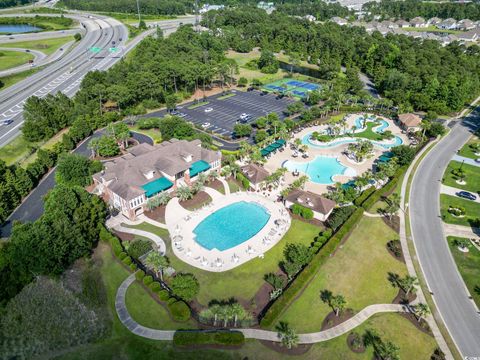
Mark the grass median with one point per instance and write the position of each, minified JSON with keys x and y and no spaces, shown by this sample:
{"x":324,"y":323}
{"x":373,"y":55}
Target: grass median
{"x":472,"y":210}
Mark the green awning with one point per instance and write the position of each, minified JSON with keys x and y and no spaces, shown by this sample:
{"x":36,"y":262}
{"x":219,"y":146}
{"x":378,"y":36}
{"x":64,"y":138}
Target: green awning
{"x":270,"y":148}
{"x":276,"y":145}
{"x":156,"y":186}
{"x":264,"y":152}
{"x":281,"y":141}
{"x":198,"y":167}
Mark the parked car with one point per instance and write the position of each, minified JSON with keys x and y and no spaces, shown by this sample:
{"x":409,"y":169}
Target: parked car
{"x":181,"y":114}
{"x":6,"y":122}
{"x":27,"y":50}
{"x":205,"y":125}
{"x":243,"y":116}
{"x":466,"y":195}
{"x":209,"y":109}
{"x":477,"y":160}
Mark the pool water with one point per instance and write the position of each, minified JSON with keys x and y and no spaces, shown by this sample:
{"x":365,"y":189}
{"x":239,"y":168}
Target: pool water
{"x":321,"y":170}
{"x":231,"y":225}
{"x":18,"y":28}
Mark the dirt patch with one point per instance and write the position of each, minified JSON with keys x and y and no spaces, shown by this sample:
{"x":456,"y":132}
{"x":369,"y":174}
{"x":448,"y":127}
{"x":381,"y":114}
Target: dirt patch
{"x":276,"y":346}
{"x":397,"y":253}
{"x":217,"y":185}
{"x":402,"y":298}
{"x":393,"y":223}
{"x":157,"y":214}
{"x":124,"y":236}
{"x":332,"y":320}
{"x":199,"y":200}
{"x":421,"y":325}
{"x":355,"y":343}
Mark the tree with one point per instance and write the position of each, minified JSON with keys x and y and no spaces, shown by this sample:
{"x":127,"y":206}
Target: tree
{"x":185,"y":286}
{"x":267,"y":63}
{"x":242,"y":81}
{"x":120,"y":132}
{"x":157,"y":262}
{"x":338,"y":304}
{"x":421,"y":310}
{"x":296,"y":256}
{"x":260,"y":136}
{"x":242,"y":130}
{"x":77,"y":37}
{"x":287,"y":335}
{"x":393,"y":204}
{"x":387,"y":351}
{"x":76,"y":170}
{"x":408,"y":284}
{"x":404,"y":154}
{"x":184,"y":193}
{"x":106,"y":146}
{"x":275,"y":280}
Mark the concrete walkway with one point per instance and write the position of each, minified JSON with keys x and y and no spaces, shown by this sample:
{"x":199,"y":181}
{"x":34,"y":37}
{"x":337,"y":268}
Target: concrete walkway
{"x":225,"y":185}
{"x":310,"y":338}
{"x":466,"y":160}
{"x":462,"y":231}
{"x":444,"y":189}
{"x":408,"y":258}
{"x":366,"y":213}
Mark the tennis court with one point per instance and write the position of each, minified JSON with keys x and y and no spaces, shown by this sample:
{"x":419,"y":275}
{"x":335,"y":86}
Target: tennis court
{"x":296,"y":88}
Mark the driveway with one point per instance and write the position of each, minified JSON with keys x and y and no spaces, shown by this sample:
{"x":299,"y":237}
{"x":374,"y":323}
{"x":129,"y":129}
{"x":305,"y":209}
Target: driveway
{"x":440,"y":271}
{"x":444,"y":189}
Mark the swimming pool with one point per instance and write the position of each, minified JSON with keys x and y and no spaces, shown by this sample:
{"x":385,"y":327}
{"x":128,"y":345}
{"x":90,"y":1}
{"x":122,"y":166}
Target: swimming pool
{"x":231,"y":225}
{"x":347,"y":140}
{"x":320,"y":170}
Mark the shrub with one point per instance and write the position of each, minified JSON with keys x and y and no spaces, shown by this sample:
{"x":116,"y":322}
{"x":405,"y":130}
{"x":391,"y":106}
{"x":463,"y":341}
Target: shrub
{"x":139,"y":247}
{"x":179,"y":310}
{"x":171,"y":300}
{"x":193,"y":338}
{"x":147,"y":280}
{"x":155,"y":286}
{"x":320,"y":240}
{"x":310,"y":270}
{"x":139,"y":275}
{"x":122,"y":255}
{"x":133,"y":266}
{"x":302,"y":211}
{"x":127,"y":260}
{"x":364,"y":196}
{"x":457,"y":210}
{"x":339,"y":216}
{"x":163,"y":295}
{"x":185,"y":286}
{"x":244,"y":181}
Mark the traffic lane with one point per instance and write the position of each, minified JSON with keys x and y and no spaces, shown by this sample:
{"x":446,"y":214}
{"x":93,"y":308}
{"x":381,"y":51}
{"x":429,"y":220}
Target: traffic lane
{"x":437,"y":263}
{"x":32,"y":207}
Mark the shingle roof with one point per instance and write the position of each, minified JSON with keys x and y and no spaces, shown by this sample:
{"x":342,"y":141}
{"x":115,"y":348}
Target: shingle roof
{"x":312,"y":201}
{"x":254,"y":173}
{"x":410,"y":120}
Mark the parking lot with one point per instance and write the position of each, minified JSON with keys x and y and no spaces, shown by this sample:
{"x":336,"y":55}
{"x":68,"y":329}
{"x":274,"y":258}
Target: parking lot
{"x":226,"y":112}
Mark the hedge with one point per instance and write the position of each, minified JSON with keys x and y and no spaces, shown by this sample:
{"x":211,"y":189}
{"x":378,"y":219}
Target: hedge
{"x":310,"y":270}
{"x":245,"y":182}
{"x":304,"y":212}
{"x":179,"y":310}
{"x":385,"y":190}
{"x":155,"y":286}
{"x":147,"y":280}
{"x":364,"y":196}
{"x":127,"y":261}
{"x":192,"y":338}
{"x":163,"y":295}
{"x":139,"y":275}
{"x":122,"y":255}
{"x":133,"y":266}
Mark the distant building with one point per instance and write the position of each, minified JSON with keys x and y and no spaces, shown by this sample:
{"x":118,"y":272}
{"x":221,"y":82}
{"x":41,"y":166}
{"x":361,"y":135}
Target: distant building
{"x":409,"y":122}
{"x":256,"y":175}
{"x":466,"y":24}
{"x":321,"y":207}
{"x":469,"y":36}
{"x":267,"y":6}
{"x":310,"y":18}
{"x":402,"y":23}
{"x":448,"y":24}
{"x":418,"y":22}
{"x":129,"y":181}
{"x":340,"y":21}
{"x":207,"y":7}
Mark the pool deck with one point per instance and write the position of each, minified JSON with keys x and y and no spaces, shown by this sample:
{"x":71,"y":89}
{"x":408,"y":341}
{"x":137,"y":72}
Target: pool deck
{"x":181,"y":223}
{"x":276,"y":160}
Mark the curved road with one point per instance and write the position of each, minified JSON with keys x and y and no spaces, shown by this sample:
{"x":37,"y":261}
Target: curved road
{"x":443,"y":279}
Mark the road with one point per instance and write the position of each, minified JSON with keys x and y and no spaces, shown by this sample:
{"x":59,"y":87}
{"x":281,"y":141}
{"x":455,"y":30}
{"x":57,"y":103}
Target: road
{"x":443,"y":279}
{"x":66,"y":74}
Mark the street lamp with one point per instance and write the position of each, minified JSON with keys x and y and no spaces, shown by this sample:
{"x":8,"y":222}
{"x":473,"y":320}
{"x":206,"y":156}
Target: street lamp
{"x":138,"y":10}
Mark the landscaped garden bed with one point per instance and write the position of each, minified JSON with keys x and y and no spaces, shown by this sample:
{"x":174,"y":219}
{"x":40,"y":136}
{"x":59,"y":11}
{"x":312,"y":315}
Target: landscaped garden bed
{"x":472,"y":210}
{"x":471,"y":176}
{"x":197,"y":201}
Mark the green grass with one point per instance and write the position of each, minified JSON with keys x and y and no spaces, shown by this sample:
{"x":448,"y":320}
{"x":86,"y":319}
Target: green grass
{"x":201,"y":103}
{"x":358,"y":271}
{"x":10,"y":59}
{"x":472,"y":209}
{"x":13,"y":79}
{"x":466,"y":150}
{"x":432,"y":29}
{"x":47,"y":46}
{"x":152,"y":133}
{"x":233,"y":186}
{"x":132,"y":19}
{"x":226,"y":96}
{"x":468,"y":265}
{"x":245,"y":280}
{"x":368,"y":133}
{"x":472,"y":176}
{"x":17,"y":150}
{"x":147,"y":312}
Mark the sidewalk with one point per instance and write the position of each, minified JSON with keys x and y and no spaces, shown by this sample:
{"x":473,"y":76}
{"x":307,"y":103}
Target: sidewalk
{"x":461,"y":231}
{"x":467,"y":161}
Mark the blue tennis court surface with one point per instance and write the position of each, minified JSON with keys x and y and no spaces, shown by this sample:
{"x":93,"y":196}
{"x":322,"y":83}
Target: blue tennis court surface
{"x":296,"y":88}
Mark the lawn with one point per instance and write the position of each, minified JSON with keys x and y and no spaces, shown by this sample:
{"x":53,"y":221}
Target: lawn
{"x":472,"y":209}
{"x":233,"y":186}
{"x":432,"y":29}
{"x":16,"y":150}
{"x":226,"y":96}
{"x":13,"y":79}
{"x":250,"y":74}
{"x":152,"y":133}
{"x":132,"y":19}
{"x":368,"y":133}
{"x":468,"y":265}
{"x":244,"y":281}
{"x":47,"y":46}
{"x":10,"y":59}
{"x":358,"y":271}
{"x":466,"y":150}
{"x":197,"y":105}
{"x":472,"y":176}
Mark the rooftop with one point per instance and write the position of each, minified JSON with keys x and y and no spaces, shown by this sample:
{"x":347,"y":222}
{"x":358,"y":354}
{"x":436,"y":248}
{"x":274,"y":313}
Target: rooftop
{"x":312,"y":201}
{"x":410,"y":120}
{"x":255,"y":173}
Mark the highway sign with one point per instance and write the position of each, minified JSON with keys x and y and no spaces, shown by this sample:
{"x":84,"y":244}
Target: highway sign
{"x":95,"y":49}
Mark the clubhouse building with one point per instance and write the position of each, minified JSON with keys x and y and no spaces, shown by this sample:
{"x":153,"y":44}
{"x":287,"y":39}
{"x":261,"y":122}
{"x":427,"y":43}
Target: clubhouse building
{"x":129,"y":181}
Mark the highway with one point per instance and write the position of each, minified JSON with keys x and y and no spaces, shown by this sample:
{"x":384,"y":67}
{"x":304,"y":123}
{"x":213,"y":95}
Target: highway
{"x":66,"y":74}
{"x":440,"y":271}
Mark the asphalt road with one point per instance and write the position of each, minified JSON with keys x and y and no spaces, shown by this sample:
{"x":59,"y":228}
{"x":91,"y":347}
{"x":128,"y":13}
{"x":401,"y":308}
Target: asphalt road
{"x":443,"y":279}
{"x":32,"y":207}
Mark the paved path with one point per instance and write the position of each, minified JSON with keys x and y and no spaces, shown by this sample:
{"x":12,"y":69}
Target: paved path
{"x":366,"y":213}
{"x":259,"y":334}
{"x":225,"y":185}
{"x":462,"y":231}
{"x":441,"y":274}
{"x":444,"y":189}
{"x":408,"y":258}
{"x":467,"y":160}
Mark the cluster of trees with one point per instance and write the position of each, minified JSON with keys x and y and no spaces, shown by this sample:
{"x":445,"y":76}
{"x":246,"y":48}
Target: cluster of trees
{"x":65,"y":232}
{"x":412,"y":73}
{"x":411,"y":8}
{"x":296,"y":256}
{"x":76,"y":170}
{"x":10,"y":3}
{"x":151,"y":7}
{"x":225,"y":312}
{"x":318,"y":8}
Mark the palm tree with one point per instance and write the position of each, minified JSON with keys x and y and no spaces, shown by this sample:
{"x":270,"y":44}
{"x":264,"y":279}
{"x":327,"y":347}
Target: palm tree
{"x":93,"y":145}
{"x":338,"y":304}
{"x":157,"y":262}
{"x":163,"y":198}
{"x":227,"y":171}
{"x":387,"y":351}
{"x":297,"y":142}
{"x":393,"y":204}
{"x":421,"y":310}
{"x":238,"y":312}
{"x":425,"y":125}
{"x":202,"y":178}
{"x":408,"y":284}
{"x":287,"y":335}
{"x":184,"y":193}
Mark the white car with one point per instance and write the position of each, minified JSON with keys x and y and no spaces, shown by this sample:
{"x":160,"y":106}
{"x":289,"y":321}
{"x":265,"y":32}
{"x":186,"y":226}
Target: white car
{"x":209,"y":109}
{"x":205,"y":125}
{"x":243,"y":116}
